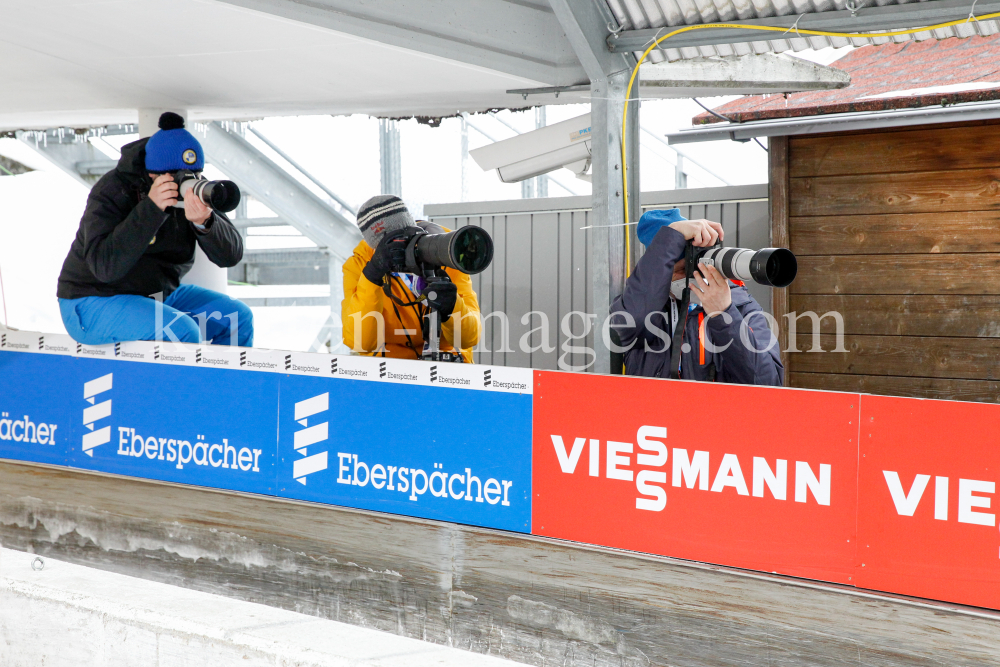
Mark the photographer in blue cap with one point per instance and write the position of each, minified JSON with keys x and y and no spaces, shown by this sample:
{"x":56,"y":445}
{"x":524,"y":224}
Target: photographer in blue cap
{"x":724,"y":336}
{"x":121,"y":280}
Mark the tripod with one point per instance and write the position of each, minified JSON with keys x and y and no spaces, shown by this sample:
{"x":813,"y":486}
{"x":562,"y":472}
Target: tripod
{"x":432,"y":329}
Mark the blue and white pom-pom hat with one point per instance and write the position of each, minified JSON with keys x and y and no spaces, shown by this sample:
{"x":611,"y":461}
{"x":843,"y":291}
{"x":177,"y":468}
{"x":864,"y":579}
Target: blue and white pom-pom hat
{"x":173,"y":148}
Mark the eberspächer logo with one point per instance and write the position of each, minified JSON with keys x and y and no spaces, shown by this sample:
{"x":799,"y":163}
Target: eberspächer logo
{"x":309,"y":436}
{"x":95,"y":412}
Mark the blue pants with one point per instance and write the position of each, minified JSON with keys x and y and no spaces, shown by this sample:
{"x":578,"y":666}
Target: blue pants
{"x":191,"y":314}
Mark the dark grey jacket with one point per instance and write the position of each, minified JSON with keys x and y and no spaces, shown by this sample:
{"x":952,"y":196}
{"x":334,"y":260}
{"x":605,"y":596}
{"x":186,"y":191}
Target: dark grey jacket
{"x":647,"y":294}
{"x":126,"y":245}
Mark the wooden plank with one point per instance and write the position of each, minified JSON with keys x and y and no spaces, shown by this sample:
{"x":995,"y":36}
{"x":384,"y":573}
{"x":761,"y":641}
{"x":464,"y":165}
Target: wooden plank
{"x":979,"y":391}
{"x":531,"y":600}
{"x":977,"y":273}
{"x":908,"y":356}
{"x":778,"y":200}
{"x":921,"y":233}
{"x":920,"y":192}
{"x":895,"y":152}
{"x":959,"y":315}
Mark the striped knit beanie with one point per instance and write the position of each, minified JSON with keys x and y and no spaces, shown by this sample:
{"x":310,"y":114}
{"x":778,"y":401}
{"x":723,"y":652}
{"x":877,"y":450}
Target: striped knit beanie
{"x":381,"y":215}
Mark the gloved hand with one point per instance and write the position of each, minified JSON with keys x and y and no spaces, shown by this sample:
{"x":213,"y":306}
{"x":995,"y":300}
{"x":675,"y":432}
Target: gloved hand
{"x":441,"y":295}
{"x":390,"y":255}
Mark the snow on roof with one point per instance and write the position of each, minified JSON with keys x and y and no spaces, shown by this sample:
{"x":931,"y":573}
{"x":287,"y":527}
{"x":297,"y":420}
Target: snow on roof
{"x":890,"y":76}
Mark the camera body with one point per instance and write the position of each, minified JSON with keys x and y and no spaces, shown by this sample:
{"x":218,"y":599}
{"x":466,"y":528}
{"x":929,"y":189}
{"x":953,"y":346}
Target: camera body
{"x":773,"y":267}
{"x":222,"y":196}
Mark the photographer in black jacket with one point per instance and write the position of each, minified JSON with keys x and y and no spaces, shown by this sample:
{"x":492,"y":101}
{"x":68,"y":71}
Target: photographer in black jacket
{"x":121,"y":279}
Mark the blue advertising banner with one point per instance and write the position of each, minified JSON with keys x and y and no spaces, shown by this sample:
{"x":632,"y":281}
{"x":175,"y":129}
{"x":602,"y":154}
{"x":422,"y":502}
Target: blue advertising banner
{"x":415,"y":448}
{"x":34,"y":424}
{"x":200,"y":426}
{"x":434,"y":452}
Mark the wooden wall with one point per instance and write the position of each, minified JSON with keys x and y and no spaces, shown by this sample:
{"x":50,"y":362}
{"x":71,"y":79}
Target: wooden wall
{"x":900,"y":232}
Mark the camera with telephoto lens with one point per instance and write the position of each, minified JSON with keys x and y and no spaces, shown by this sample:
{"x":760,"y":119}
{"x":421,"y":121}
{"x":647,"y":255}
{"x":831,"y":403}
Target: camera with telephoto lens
{"x":222,"y":196}
{"x":773,"y":267}
{"x":469,"y":249}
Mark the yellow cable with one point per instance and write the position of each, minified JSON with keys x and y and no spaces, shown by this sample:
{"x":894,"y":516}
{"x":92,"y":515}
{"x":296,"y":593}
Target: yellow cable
{"x":704,"y":26}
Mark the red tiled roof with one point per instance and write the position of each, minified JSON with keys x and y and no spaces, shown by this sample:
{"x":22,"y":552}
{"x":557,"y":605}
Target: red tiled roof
{"x":888,"y":68}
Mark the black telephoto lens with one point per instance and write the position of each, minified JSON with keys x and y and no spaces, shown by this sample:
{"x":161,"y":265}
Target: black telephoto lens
{"x":774,"y":266}
{"x":469,"y":250}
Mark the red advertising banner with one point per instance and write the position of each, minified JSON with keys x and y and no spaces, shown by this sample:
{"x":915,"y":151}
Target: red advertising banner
{"x":753,"y":477}
{"x":927,"y":503}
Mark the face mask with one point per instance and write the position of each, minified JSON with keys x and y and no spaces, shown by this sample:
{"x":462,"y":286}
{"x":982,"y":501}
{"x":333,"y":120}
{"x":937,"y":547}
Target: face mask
{"x":677,"y":291}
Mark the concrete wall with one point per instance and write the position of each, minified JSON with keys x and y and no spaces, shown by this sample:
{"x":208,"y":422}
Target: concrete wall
{"x":60,"y":614}
{"x":533,"y":600}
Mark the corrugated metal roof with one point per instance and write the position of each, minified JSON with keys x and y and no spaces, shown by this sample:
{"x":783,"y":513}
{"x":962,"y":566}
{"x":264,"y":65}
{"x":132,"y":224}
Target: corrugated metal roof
{"x":640,"y":14}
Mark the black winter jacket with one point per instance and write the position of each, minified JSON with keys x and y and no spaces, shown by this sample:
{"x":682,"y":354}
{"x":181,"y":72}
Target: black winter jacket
{"x":648,"y":291}
{"x":126,"y":245}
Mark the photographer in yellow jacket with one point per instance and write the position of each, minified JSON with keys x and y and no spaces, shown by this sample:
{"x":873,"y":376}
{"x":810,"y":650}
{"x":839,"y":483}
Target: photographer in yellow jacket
{"x":375,"y":324}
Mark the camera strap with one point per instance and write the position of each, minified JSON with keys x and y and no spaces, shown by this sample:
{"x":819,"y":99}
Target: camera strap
{"x":387,"y":286}
{"x":677,"y":341}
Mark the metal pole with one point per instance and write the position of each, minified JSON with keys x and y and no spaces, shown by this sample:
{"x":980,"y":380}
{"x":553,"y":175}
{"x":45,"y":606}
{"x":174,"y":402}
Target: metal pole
{"x":680,"y":177}
{"x":465,"y":157}
{"x":390,"y":158}
{"x":608,"y":233}
{"x":541,"y":184}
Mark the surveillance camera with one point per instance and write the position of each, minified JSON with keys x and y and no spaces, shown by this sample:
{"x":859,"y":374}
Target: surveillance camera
{"x":565,"y":144}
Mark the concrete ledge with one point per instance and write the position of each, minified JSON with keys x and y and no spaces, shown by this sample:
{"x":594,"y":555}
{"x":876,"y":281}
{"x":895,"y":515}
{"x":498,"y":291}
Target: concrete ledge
{"x":72,"y":615}
{"x":532,"y":600}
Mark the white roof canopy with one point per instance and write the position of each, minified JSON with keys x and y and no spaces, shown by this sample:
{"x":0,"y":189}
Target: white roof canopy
{"x":88,"y":62}
{"x":95,"y":62}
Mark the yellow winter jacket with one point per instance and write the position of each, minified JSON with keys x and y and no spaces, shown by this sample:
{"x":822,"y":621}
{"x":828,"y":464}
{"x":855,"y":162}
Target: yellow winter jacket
{"x":363,"y":298}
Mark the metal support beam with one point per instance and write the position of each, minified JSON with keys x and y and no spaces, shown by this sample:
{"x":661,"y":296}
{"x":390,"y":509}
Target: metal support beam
{"x":280,"y":191}
{"x":465,"y":157}
{"x":541,"y":184}
{"x":298,"y":266}
{"x":587,"y":24}
{"x":246,"y":223}
{"x":72,"y":153}
{"x":295,"y":204}
{"x":873,"y":18}
{"x":302,"y":170}
{"x":390,"y":158}
{"x":680,"y":176}
{"x":608,"y":210}
{"x":291,"y":256}
{"x":284,"y":301}
{"x":519,"y":38}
